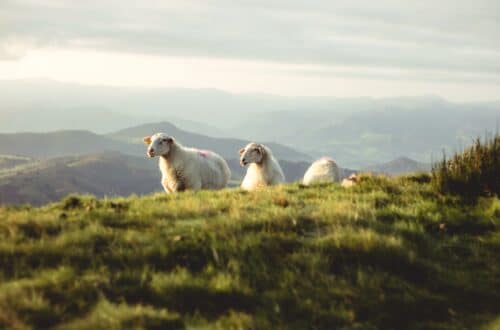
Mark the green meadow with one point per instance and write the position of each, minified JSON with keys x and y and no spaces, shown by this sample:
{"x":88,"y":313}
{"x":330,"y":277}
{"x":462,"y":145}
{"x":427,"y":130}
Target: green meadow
{"x":389,"y":253}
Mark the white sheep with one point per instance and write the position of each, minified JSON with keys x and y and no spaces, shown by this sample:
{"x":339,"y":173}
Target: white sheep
{"x":322,"y":170}
{"x":264,"y":169}
{"x":187,"y":168}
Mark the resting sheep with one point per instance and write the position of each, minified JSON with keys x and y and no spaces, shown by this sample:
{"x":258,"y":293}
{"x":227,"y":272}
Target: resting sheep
{"x":264,"y":169}
{"x":350,"y":181}
{"x":187,"y":168}
{"x":322,"y":170}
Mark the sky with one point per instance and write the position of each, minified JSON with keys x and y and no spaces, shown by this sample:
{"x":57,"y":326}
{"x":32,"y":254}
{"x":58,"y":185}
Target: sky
{"x":383,"y":48}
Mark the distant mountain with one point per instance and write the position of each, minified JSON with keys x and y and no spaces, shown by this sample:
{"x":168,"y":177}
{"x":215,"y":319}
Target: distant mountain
{"x":107,"y":174}
{"x":110,"y":174}
{"x":401,"y":165}
{"x":227,"y":147}
{"x":364,"y":131}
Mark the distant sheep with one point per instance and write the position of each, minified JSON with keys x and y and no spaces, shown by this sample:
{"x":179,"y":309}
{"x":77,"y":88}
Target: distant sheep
{"x":187,"y":168}
{"x":322,"y":170}
{"x":264,"y":170}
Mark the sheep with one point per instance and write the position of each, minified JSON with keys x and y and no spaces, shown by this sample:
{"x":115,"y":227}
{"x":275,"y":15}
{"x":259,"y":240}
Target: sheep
{"x":264,"y":169}
{"x":322,"y":170}
{"x":350,"y":181}
{"x":185,"y":168}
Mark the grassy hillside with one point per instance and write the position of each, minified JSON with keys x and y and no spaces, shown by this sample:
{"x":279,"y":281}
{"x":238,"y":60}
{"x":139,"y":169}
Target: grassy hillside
{"x":387,"y":254}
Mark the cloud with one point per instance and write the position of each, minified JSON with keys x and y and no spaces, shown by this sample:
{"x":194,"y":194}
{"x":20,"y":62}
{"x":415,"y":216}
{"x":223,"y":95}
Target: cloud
{"x":12,"y":48}
{"x":454,"y":36}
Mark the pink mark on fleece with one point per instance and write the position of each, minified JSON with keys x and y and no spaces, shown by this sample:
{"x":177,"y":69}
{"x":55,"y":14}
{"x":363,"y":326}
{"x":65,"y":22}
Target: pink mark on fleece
{"x":204,"y":153}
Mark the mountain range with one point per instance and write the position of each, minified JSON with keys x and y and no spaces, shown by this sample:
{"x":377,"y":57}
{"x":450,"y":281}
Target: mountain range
{"x":127,"y":141}
{"x":354,"y":131}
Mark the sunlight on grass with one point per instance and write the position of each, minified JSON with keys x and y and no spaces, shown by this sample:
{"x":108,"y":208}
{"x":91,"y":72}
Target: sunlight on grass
{"x":387,"y":254}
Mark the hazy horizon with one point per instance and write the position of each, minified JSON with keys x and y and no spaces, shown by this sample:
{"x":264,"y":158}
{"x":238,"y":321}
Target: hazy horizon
{"x":37,"y":80}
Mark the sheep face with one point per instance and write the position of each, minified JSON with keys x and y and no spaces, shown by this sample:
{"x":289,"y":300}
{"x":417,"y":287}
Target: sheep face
{"x":158,"y":144}
{"x":252,"y":153}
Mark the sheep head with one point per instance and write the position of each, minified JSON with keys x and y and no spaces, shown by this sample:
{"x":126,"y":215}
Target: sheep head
{"x":252,"y":153}
{"x":159,"y":144}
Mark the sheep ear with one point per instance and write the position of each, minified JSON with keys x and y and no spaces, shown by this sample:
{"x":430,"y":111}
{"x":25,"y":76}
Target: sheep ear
{"x":147,"y":140}
{"x":170,"y":140}
{"x":242,"y":150}
{"x":260,"y":149}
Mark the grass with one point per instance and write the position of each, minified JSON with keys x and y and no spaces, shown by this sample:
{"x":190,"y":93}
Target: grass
{"x":472,"y":173}
{"x":387,"y":254}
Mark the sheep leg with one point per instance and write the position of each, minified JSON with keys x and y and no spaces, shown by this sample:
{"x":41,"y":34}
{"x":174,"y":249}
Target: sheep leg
{"x":166,"y":186}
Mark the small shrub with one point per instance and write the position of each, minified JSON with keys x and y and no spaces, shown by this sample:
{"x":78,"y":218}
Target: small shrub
{"x":72,"y":202}
{"x":281,"y":201}
{"x":419,"y":178}
{"x":76,"y":202}
{"x":473,"y":173}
